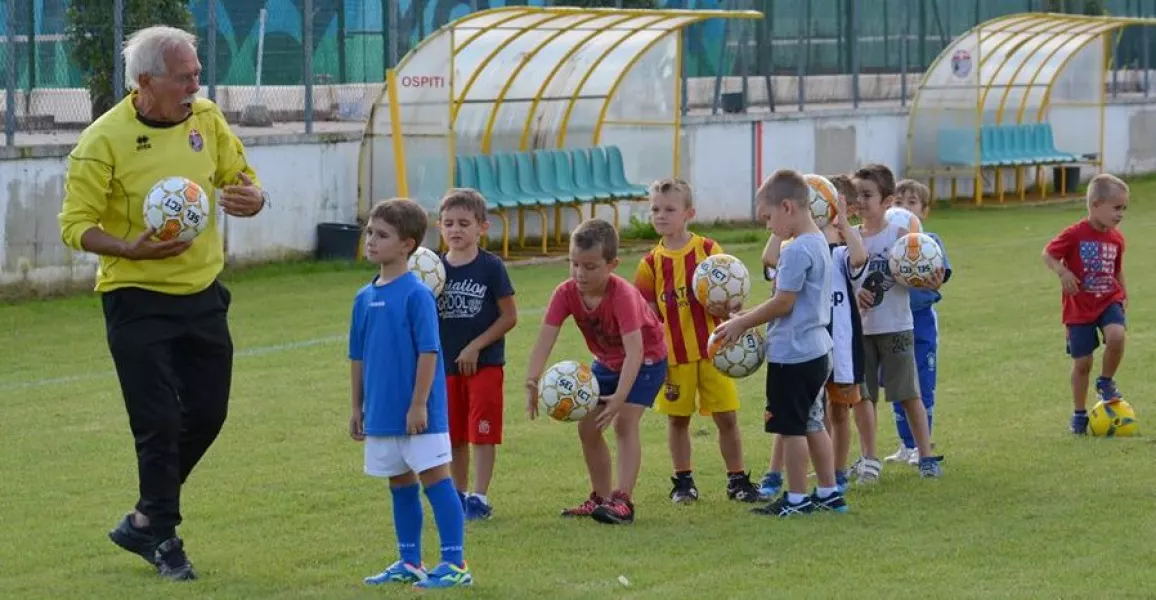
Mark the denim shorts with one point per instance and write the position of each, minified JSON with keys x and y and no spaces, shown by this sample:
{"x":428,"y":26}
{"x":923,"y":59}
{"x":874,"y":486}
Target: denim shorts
{"x":1084,"y":339}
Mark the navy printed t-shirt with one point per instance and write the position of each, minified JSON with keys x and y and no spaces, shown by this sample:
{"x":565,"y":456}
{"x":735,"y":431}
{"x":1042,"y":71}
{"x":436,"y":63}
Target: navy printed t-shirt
{"x":469,"y":305}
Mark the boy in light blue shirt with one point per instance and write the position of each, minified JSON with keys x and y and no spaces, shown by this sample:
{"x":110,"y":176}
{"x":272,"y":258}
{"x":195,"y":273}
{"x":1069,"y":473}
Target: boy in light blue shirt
{"x":399,"y":407}
{"x":798,"y":346}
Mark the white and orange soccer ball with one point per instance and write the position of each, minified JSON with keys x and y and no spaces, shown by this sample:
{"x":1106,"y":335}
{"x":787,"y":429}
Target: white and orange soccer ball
{"x":177,"y":208}
{"x":568,"y":391}
{"x":741,"y":358}
{"x":914,"y":259}
{"x":823,"y":199}
{"x":721,"y":284}
{"x":901,"y":217}
{"x":428,"y":267}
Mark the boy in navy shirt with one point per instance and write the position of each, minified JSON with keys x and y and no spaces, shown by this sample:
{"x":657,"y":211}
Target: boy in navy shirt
{"x":475,"y":311}
{"x":399,"y":397}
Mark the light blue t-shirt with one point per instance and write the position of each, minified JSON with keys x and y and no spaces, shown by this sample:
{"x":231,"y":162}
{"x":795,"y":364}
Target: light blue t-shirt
{"x":805,"y":269}
{"x":391,"y":326}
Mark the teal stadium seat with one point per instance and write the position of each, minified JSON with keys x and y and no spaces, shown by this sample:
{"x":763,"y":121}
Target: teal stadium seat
{"x":528,"y":180}
{"x":508,"y":181}
{"x":564,"y":176}
{"x":488,"y":183}
{"x":618,"y":173}
{"x":600,"y":169}
{"x":547,"y":176}
{"x":584,"y":176}
{"x":466,"y":173}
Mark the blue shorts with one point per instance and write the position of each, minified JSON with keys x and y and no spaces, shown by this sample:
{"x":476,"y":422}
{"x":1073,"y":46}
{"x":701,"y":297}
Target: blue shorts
{"x":646,"y":385}
{"x":1084,"y":339}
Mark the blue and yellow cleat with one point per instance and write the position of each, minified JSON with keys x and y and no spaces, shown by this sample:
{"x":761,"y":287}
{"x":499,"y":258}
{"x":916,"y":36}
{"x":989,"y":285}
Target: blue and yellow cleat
{"x":447,"y":575}
{"x":399,"y":572}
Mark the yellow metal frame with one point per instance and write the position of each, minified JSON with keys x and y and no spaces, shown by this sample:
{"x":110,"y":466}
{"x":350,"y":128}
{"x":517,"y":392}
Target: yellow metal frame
{"x":1039,"y":30}
{"x":630,"y":22}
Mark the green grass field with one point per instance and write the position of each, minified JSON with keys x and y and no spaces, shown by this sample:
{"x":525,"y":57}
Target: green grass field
{"x":280,"y":509}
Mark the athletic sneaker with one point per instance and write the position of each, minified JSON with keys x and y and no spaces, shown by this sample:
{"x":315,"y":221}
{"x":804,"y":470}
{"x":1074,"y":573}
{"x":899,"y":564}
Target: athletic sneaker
{"x":618,"y":511}
{"x":739,"y":487}
{"x":771,"y":484}
{"x":841,"y":481}
{"x":138,"y":541}
{"x":446,"y":575}
{"x":684,"y":490}
{"x":1080,"y":423}
{"x":172,"y":562}
{"x":586,"y":508}
{"x":785,"y":508}
{"x":398,"y":572}
{"x":835,"y":502}
{"x":866,"y":470}
{"x":1106,"y":390}
{"x":477,"y":510}
{"x":929,"y":467}
{"x":903,"y":454}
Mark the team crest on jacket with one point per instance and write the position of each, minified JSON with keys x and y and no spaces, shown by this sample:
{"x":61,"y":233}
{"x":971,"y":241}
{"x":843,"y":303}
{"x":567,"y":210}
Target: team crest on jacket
{"x":196,"y":142}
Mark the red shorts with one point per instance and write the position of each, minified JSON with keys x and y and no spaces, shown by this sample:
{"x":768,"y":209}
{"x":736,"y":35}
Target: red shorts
{"x":475,"y":406}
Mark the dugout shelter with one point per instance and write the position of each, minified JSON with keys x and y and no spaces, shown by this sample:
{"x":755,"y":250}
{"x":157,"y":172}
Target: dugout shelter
{"x":545,"y":110}
{"x":1018,"y":94}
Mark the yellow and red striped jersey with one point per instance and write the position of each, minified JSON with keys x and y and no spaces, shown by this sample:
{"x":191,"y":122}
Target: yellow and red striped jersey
{"x":664,"y":277}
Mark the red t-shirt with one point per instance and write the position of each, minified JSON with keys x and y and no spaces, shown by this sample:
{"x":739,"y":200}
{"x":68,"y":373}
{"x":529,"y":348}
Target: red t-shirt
{"x":1096,"y":258}
{"x":621,"y":311}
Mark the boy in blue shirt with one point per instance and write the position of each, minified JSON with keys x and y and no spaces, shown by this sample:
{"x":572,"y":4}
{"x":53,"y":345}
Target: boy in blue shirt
{"x":475,"y":311}
{"x":915,"y":197}
{"x":798,"y":346}
{"x":399,"y":397}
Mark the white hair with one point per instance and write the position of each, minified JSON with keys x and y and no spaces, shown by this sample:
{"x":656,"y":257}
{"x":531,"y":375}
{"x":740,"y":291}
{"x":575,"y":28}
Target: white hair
{"x":145,"y":51}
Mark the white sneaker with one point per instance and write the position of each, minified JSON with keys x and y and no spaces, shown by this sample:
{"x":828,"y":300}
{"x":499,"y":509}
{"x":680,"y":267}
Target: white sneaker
{"x":903,"y":454}
{"x":866,"y":470}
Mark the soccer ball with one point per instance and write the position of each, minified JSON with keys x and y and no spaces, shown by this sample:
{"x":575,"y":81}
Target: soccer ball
{"x":721,"y":284}
{"x":741,"y":358}
{"x":914,"y":259}
{"x":823,"y":199}
{"x":901,"y":217}
{"x":568,"y":391}
{"x":1113,"y":419}
{"x":177,"y":209}
{"x":428,"y":267}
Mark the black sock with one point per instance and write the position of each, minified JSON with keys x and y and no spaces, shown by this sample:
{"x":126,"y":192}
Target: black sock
{"x":1081,"y":412}
{"x":684,"y":474}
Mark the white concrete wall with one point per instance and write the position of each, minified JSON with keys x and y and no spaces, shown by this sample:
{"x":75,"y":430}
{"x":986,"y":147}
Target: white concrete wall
{"x":313,"y":178}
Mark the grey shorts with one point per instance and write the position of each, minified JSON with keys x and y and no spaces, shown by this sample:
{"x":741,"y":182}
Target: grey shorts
{"x":815,"y":416}
{"x":889,"y":358}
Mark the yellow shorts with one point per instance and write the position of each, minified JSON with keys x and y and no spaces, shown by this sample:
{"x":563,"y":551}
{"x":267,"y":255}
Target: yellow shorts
{"x":715,"y":392}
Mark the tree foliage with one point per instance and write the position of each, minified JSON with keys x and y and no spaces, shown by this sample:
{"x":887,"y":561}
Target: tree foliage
{"x":90,"y":33}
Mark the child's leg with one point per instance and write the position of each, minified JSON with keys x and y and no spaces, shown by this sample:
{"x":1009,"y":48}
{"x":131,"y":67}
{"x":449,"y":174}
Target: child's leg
{"x":1113,"y":350}
{"x":626,"y":433}
{"x":819,"y":445}
{"x":901,"y":426}
{"x":407,"y":517}
{"x":460,"y":467}
{"x":730,"y":441}
{"x":485,"y":422}
{"x":865,"y":425}
{"x":796,"y":454}
{"x":917,"y":419}
{"x":448,"y":513}
{"x":457,"y":395}
{"x":1081,"y":372}
{"x":678,"y":438}
{"x":778,"y":455}
{"x":596,"y":453}
{"x":840,"y":434}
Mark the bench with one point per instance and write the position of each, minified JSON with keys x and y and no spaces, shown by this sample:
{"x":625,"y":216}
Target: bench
{"x":542,"y":179}
{"x":1001,"y":146}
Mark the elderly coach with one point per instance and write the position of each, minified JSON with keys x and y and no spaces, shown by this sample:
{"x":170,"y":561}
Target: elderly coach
{"x":165,"y":313}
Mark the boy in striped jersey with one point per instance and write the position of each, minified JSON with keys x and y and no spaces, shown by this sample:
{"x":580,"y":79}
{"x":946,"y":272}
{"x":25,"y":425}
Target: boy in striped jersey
{"x":664,"y":277}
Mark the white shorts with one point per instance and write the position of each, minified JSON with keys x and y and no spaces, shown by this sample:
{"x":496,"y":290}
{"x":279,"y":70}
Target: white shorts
{"x":391,"y":456}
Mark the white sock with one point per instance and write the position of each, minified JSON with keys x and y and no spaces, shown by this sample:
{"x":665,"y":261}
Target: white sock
{"x":482,"y":497}
{"x":825,"y":492}
{"x":794,"y":498}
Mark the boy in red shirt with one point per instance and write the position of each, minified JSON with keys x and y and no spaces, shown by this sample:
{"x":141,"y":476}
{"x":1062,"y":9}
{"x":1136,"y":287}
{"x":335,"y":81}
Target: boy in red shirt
{"x":1089,"y":259}
{"x":630,"y":365}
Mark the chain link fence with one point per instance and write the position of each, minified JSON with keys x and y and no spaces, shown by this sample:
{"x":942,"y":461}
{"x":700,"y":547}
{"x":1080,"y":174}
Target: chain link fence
{"x":315,"y":62}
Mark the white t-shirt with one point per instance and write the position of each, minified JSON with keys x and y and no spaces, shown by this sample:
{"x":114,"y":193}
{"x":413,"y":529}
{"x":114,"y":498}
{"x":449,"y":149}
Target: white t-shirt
{"x":891,"y":312}
{"x":846,"y":328}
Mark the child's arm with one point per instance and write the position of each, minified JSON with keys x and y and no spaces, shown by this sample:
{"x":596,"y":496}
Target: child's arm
{"x":547,"y":337}
{"x":1123,"y":288}
{"x":415,"y":419}
{"x":771,"y":251}
{"x":856,"y":251}
{"x":357,"y":399}
{"x":789,"y":282}
{"x":1053,"y":257}
{"x":632,"y":344}
{"x":644,"y":281}
{"x":507,"y":318}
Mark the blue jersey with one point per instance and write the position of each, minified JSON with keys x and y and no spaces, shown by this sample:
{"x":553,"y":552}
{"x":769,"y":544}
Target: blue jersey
{"x":468,"y":307}
{"x":922,"y":300}
{"x":392,"y":325}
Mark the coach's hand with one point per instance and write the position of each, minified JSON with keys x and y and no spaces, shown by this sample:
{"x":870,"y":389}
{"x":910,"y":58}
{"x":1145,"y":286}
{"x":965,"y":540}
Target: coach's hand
{"x":243,"y":200}
{"x":146,"y":248}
